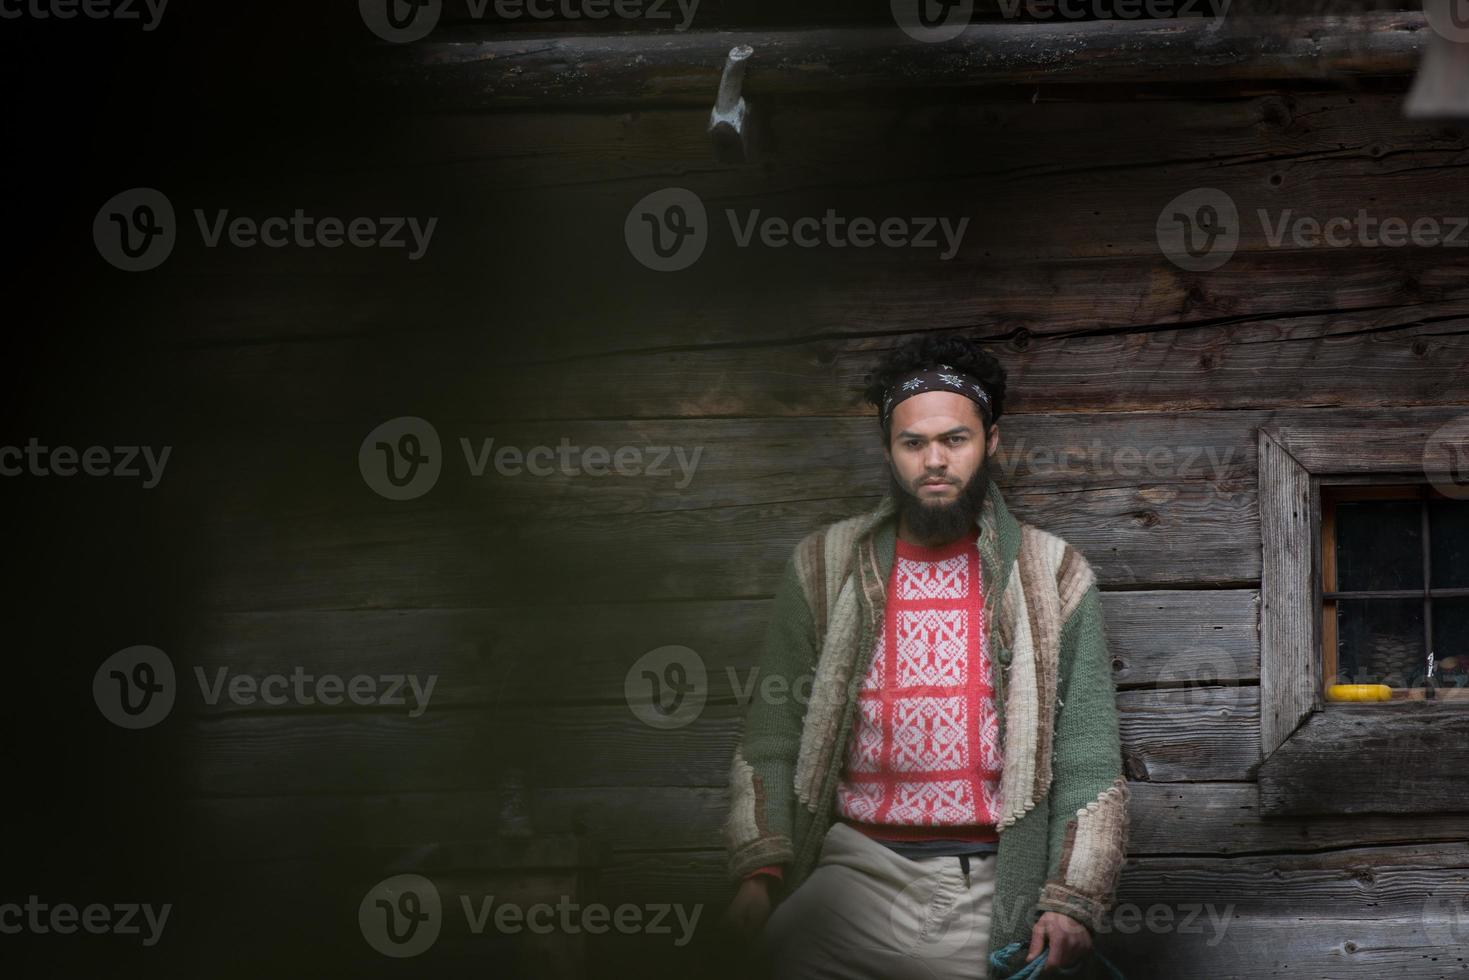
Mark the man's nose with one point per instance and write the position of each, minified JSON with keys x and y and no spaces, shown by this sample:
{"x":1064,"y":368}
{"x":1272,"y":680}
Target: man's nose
{"x":935,"y":458}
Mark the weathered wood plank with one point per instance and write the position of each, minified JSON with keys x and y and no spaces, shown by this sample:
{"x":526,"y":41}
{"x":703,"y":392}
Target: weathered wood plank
{"x":1224,"y":819}
{"x":1170,"y":736}
{"x":1254,"y":947}
{"x":1346,"y":288}
{"x":1204,"y":732}
{"x":1289,"y":670}
{"x":1370,"y":758}
{"x":614,"y":70}
{"x":1155,"y":535}
{"x":503,"y":655}
{"x":1182,"y":638}
{"x":1293,"y":363}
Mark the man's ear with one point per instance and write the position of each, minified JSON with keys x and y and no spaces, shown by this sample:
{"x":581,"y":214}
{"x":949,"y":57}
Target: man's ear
{"x":994,"y":440}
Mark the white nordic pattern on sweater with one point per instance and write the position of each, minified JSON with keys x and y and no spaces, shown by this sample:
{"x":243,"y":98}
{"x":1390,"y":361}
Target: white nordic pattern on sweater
{"x":926,"y":749}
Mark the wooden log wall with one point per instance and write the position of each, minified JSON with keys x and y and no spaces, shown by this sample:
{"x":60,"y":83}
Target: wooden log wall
{"x":1137,"y":390}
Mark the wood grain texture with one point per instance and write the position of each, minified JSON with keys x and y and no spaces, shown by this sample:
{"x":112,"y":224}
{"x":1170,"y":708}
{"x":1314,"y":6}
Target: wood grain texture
{"x":1393,"y":758}
{"x":1288,"y":663}
{"x":613,"y":70}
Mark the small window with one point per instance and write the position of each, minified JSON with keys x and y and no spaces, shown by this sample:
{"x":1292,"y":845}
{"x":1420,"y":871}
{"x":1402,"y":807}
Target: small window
{"x":1395,"y":594}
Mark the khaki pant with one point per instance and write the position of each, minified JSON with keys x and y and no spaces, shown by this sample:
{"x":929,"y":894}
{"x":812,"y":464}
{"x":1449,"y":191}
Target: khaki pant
{"x":868,"y":912}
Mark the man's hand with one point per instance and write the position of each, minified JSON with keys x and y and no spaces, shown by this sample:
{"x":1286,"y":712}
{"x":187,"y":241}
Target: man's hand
{"x":746,"y":915}
{"x":1068,"y":940}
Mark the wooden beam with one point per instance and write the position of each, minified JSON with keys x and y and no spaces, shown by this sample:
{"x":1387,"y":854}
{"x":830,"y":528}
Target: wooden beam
{"x":684,"y":68}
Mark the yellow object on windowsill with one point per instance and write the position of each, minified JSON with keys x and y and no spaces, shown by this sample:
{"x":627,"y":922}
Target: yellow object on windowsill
{"x":1358,"y":692}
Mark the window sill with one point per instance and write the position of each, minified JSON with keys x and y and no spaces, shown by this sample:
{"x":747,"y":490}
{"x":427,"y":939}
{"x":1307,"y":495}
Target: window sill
{"x":1384,"y":757}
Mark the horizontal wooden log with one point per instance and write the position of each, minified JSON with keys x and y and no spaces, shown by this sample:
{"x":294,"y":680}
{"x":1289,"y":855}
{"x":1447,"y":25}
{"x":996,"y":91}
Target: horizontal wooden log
{"x":617,"y":70}
{"x":1255,"y":947}
{"x":502,"y":656}
{"x":1291,"y":363}
{"x":1169,"y":736}
{"x":1385,"y":758}
{"x":1155,"y":536}
{"x":1224,"y":819}
{"x":1198,"y":733}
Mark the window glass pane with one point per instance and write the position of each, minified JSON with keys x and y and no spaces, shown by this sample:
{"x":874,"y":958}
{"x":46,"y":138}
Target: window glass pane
{"x":1379,"y":545}
{"x":1451,"y":642}
{"x":1380,"y":641}
{"x":1448,"y":523}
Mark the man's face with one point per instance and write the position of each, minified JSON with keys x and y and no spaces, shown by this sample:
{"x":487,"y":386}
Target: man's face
{"x":937,"y":449}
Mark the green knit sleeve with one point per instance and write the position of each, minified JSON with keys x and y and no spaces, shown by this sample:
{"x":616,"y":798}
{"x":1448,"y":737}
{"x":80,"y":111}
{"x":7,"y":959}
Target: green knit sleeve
{"x":758,"y":831}
{"x":1089,"y":793}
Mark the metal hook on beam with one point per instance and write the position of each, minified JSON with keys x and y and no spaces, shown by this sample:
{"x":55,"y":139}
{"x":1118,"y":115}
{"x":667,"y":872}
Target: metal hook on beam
{"x":730,"y":121}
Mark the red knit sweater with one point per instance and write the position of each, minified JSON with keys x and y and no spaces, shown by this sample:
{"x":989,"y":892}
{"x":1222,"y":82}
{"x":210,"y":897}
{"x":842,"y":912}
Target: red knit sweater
{"x":924,"y":758}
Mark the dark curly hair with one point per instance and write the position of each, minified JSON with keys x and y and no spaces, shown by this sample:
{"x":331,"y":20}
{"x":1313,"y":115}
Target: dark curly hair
{"x":928,"y":351}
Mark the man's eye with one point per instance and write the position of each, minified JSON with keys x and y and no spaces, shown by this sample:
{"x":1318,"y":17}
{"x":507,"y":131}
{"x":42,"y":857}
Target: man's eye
{"x":913,"y":443}
{"x":955,"y":440}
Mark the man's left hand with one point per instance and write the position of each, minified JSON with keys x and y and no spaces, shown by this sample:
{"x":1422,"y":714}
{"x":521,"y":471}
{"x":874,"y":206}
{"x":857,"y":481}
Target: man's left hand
{"x":1068,"y":940}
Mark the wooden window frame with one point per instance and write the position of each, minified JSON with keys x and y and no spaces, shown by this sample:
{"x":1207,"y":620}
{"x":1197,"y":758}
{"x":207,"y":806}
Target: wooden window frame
{"x":1320,"y":757}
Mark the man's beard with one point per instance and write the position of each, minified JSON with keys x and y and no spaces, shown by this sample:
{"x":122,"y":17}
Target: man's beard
{"x":940,"y":523}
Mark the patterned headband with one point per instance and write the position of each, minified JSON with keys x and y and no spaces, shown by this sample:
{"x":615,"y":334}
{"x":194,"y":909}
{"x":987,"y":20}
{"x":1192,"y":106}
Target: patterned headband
{"x":944,"y":378}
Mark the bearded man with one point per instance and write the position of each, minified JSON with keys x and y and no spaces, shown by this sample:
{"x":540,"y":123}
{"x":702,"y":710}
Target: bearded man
{"x":953,"y":785}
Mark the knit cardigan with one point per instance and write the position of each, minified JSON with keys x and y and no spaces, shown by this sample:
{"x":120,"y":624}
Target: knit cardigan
{"x":1063,"y":818}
